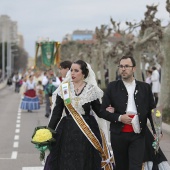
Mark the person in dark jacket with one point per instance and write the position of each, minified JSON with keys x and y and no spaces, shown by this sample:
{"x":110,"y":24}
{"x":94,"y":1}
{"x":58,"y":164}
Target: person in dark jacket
{"x":64,"y":68}
{"x":132,"y":100}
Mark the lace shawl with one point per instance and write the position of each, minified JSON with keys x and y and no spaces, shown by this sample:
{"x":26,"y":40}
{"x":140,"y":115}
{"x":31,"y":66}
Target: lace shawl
{"x":89,"y":94}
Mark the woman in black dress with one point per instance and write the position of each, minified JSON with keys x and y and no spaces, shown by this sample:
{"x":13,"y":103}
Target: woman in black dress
{"x":73,"y":149}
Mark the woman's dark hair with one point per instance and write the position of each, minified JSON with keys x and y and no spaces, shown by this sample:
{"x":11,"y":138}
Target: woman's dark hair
{"x":131,"y":58}
{"x":66,"y":64}
{"x":40,"y":82}
{"x":83,"y":67}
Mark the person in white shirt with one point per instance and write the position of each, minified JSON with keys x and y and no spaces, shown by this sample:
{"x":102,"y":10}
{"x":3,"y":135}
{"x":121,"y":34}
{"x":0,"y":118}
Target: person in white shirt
{"x":16,"y":78}
{"x":30,"y":101}
{"x":148,"y":77}
{"x":45,"y":80}
{"x":155,"y":83}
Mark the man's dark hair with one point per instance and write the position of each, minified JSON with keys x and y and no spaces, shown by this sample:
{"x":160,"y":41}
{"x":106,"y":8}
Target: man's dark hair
{"x":131,"y":57}
{"x":149,"y":71}
{"x":66,"y":64}
{"x":153,"y":68}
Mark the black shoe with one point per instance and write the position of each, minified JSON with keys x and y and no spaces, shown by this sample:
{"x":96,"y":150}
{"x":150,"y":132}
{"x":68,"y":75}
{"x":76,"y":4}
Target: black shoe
{"x":47,"y":115}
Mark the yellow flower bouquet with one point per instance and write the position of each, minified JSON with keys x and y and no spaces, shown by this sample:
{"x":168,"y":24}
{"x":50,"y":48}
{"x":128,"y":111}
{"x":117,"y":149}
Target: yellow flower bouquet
{"x":43,"y":137}
{"x":157,"y":120}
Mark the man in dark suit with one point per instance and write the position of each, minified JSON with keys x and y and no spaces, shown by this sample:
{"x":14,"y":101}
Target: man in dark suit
{"x":129,"y":98}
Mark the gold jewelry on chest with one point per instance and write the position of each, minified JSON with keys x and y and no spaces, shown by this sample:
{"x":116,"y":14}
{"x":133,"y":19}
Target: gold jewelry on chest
{"x":77,"y":99}
{"x":79,"y":87}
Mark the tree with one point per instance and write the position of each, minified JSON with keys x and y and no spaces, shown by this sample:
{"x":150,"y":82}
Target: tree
{"x":101,"y":35}
{"x":20,"y":59}
{"x":165,"y":71}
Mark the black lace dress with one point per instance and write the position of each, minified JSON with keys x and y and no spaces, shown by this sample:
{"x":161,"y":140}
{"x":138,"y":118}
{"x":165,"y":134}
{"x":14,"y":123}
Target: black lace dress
{"x":72,"y":150}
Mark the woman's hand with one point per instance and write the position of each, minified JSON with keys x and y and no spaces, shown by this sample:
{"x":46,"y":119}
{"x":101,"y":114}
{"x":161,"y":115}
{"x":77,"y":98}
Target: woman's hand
{"x":110,"y":109}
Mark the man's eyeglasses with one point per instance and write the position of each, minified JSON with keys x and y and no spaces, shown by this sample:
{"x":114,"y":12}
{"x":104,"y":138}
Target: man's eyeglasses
{"x":125,"y":66}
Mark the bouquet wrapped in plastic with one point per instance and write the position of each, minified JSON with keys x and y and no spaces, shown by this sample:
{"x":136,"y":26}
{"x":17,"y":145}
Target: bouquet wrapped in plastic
{"x":157,"y":120}
{"x":43,"y":137}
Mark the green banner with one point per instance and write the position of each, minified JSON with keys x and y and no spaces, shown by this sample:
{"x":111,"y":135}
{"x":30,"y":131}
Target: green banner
{"x":47,"y":50}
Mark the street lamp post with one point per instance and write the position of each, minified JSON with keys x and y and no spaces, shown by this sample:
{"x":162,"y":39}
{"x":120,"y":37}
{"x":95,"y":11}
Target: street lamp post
{"x":8,"y":68}
{"x":3,"y":53}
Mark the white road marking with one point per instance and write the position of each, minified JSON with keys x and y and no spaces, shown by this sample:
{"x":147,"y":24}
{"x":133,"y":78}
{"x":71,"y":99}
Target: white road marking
{"x":18,"y":121}
{"x":16,"y":144}
{"x":18,"y":117}
{"x":17,"y":130}
{"x":14,"y":155}
{"x":16,"y":137}
{"x":18,"y":125}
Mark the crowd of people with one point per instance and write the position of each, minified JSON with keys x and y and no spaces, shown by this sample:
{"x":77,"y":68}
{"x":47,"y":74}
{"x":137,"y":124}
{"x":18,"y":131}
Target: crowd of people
{"x":78,"y":110}
{"x":35,"y":88}
{"x":79,"y":113}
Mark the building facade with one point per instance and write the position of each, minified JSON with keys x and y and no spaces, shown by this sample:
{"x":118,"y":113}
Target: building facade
{"x":9,"y":36}
{"x":80,"y":35}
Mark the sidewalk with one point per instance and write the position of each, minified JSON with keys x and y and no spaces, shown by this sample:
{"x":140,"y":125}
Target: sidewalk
{"x":3,"y":84}
{"x":166,"y":128}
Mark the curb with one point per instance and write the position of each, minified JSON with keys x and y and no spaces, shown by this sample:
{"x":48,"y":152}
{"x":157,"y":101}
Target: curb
{"x":3,"y":84}
{"x":166,"y":127}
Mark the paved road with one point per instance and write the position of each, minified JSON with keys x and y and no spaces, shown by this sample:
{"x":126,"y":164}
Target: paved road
{"x":16,"y":128}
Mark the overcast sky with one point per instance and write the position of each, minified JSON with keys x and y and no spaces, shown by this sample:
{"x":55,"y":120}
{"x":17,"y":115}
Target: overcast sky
{"x":56,"y":18}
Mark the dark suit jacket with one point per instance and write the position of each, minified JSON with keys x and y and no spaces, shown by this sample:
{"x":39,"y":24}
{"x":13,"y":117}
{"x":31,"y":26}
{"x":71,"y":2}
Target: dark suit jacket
{"x":116,"y":95}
